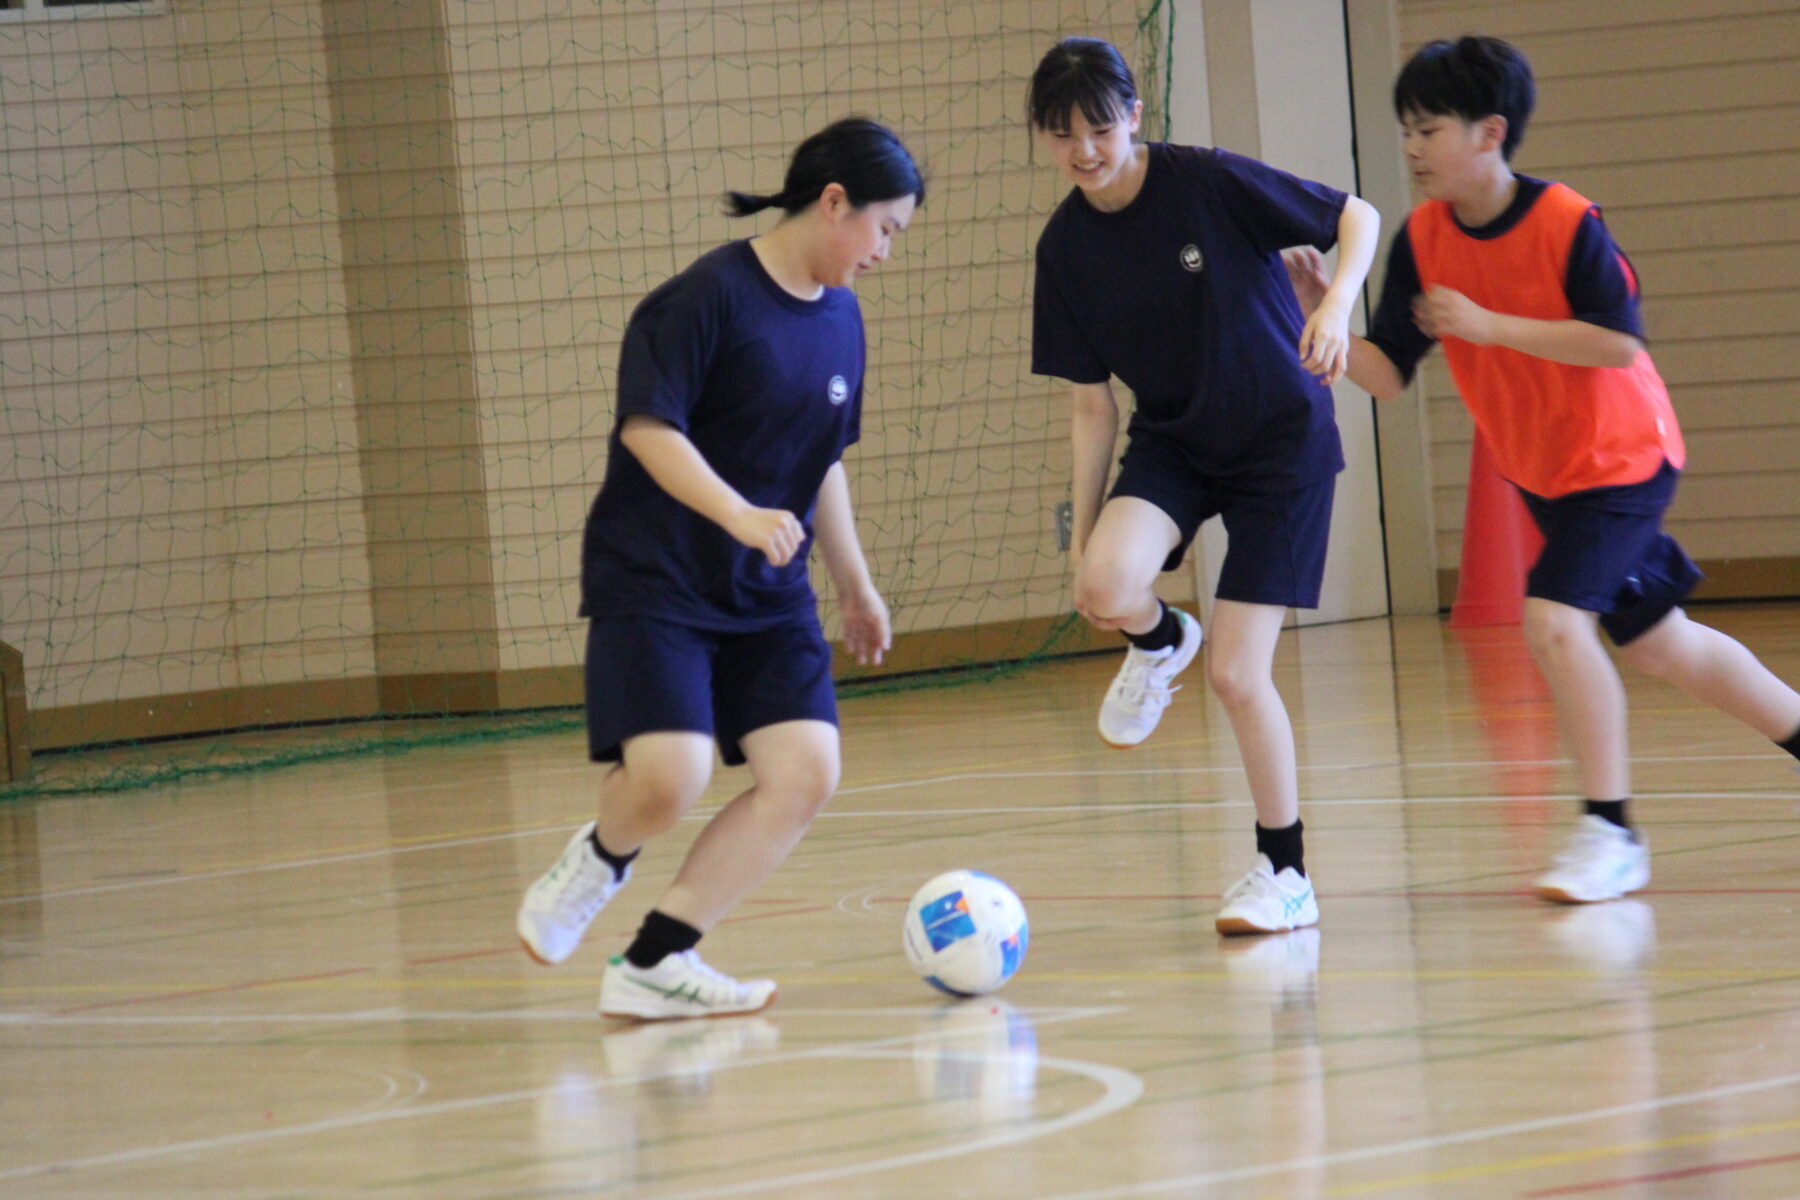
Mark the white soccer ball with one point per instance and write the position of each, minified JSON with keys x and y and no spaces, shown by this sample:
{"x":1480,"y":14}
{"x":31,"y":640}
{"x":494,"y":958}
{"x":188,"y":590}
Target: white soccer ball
{"x":966,"y":933}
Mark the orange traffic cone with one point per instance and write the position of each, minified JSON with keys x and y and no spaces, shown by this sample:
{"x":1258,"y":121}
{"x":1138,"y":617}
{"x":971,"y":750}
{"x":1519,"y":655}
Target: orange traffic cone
{"x":1499,"y":544}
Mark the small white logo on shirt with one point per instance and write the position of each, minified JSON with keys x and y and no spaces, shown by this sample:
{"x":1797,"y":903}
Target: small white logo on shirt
{"x":839,"y":390}
{"x":1190,"y":257}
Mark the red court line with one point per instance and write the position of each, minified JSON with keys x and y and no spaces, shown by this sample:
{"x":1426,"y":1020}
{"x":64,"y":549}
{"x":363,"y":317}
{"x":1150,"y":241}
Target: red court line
{"x":1662,"y":1176}
{"x":444,"y":958}
{"x":788,"y":912}
{"x":211,"y":991}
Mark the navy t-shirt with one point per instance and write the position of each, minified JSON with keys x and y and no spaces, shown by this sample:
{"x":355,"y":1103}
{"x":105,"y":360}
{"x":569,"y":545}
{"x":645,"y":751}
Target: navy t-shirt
{"x":1183,"y":296}
{"x":768,"y":387}
{"x":1599,"y":281}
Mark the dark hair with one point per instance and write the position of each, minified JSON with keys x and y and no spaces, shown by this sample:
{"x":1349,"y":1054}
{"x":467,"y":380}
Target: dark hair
{"x":1084,"y":73}
{"x":864,"y":158}
{"x":1471,"y":78}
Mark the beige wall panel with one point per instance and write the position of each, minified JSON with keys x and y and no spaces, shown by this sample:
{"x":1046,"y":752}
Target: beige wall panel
{"x":1565,"y":15}
{"x":1558,"y":147}
{"x":1753,"y":85}
{"x":1729,"y":222}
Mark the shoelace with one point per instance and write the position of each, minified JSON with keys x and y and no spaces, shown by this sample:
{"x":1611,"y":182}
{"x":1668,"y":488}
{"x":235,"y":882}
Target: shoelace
{"x":1255,"y":881}
{"x":589,"y":900}
{"x":1582,"y":847}
{"x":717,"y":979}
{"x":1133,"y":686}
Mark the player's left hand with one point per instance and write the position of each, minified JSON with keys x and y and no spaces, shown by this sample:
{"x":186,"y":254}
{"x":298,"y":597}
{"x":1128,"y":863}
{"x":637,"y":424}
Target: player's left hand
{"x":1325,"y":341}
{"x":1445,"y":312}
{"x":1306,"y":271}
{"x":867,"y":632}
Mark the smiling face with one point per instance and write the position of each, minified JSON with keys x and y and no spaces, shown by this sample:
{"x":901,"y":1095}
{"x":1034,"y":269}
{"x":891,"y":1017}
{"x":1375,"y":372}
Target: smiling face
{"x":1093,"y":156}
{"x":857,"y":239}
{"x":1447,"y":157}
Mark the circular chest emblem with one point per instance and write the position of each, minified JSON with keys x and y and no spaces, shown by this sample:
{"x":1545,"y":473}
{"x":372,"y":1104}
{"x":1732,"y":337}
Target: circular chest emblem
{"x":839,"y":391}
{"x":1190,"y":257}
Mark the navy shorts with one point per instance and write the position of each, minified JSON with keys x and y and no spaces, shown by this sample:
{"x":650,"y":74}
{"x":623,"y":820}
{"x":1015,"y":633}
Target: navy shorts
{"x":649,"y":676}
{"x":1275,"y":553}
{"x":1605,"y":552}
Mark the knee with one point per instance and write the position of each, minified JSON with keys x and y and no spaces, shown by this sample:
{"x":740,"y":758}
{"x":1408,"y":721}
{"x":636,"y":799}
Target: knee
{"x":1236,"y":684}
{"x":1102,"y":594}
{"x":663,"y":792}
{"x":1658,"y":650}
{"x":1552,"y":631}
{"x":804,"y":786}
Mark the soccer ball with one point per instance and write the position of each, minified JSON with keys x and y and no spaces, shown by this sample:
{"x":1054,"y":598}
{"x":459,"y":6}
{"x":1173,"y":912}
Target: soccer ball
{"x":965,"y":933}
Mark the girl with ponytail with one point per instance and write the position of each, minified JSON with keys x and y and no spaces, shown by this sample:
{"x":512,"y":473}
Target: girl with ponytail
{"x":740,"y":386}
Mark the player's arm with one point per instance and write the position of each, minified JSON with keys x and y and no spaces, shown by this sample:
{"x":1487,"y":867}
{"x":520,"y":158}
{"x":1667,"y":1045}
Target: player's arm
{"x":868,"y":632}
{"x":1444,"y":312}
{"x":679,"y":469}
{"x":1365,"y":364}
{"x":1093,"y":430}
{"x":1325,"y":341}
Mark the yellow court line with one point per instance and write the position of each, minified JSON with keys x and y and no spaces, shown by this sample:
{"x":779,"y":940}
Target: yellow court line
{"x":1564,"y":1158}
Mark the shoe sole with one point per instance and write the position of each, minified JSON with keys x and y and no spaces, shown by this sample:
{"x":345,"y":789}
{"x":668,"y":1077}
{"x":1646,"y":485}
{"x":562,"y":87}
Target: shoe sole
{"x":1563,"y":896}
{"x":533,"y":955}
{"x":641,"y":1019}
{"x":1558,"y":895}
{"x":1239,"y":927}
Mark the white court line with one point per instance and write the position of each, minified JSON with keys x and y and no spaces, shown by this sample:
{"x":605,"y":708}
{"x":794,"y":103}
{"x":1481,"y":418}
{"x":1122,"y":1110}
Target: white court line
{"x":1044,"y":1014}
{"x":1413,"y":1145}
{"x":1122,"y":1090}
{"x":860,"y":814}
{"x":1119,"y":1084}
{"x":292,"y":865}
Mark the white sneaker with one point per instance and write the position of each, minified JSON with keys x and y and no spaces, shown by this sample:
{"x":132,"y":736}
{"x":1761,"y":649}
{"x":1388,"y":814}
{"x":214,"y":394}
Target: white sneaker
{"x":1601,"y":862}
{"x":678,"y":986}
{"x":1264,"y":902}
{"x":1139,"y":693}
{"x":558,"y":908}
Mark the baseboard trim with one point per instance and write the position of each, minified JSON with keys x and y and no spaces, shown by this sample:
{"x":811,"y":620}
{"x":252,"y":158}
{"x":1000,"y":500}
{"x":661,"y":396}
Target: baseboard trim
{"x":226,"y":710}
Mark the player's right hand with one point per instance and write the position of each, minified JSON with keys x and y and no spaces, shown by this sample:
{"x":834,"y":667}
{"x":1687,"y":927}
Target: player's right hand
{"x":775,"y":531}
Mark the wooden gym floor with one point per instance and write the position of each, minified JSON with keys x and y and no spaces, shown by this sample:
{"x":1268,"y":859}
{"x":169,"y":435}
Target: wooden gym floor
{"x":305,"y":983}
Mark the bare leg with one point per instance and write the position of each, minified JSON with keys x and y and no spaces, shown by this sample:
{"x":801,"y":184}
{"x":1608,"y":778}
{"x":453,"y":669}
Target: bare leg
{"x":1241,"y":671}
{"x":659,"y":780}
{"x":795,"y":766}
{"x":1590,"y":700}
{"x":1718,"y":669}
{"x":1114,"y":587}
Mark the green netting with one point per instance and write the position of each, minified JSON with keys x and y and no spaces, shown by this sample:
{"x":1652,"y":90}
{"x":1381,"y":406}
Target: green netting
{"x":310,"y":313}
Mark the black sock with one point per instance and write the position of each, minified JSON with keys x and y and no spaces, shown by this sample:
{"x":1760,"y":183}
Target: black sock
{"x":1792,"y":745}
{"x":1607,"y":810}
{"x":658,"y":937}
{"x":1166,"y":632}
{"x":1283,"y":846}
{"x":618,"y":862}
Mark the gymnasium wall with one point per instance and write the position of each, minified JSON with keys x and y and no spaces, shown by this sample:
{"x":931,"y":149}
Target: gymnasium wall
{"x":311,"y":333}
{"x":1681,"y":119}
